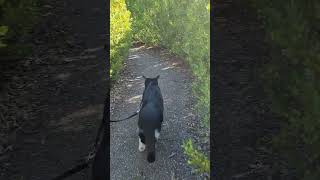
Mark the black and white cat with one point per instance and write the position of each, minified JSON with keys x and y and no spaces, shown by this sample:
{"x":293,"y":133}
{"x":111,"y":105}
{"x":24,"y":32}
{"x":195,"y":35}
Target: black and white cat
{"x":150,"y":117}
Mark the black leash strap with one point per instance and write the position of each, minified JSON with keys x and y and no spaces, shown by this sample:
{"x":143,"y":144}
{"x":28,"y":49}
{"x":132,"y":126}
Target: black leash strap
{"x":75,"y":169}
{"x":103,"y":124}
{"x":91,"y":155}
{"x":86,"y":163}
{"x":127,"y":117}
{"x":134,"y":114}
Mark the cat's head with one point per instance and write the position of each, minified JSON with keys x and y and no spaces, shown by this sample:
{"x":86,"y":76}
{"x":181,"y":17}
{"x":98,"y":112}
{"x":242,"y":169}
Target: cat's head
{"x":148,"y":81}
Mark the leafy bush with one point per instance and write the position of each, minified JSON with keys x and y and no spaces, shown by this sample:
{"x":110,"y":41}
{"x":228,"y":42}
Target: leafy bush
{"x":120,"y":35}
{"x":196,"y":159}
{"x":293,"y":79}
{"x":183,"y":27}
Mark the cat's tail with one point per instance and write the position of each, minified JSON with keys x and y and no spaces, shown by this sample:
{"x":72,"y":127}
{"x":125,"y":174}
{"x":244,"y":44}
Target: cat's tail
{"x":151,"y":157}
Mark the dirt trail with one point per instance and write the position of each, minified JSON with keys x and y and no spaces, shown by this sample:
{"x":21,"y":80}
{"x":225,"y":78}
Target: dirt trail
{"x":65,"y":88}
{"x":175,"y":83}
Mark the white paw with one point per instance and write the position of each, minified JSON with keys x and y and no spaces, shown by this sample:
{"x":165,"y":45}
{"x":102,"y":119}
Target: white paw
{"x":142,"y":146}
{"x":156,"y":134}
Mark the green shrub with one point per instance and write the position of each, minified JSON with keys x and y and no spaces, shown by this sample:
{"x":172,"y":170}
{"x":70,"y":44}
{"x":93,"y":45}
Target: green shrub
{"x":293,"y":79}
{"x":120,"y":35}
{"x":196,"y":159}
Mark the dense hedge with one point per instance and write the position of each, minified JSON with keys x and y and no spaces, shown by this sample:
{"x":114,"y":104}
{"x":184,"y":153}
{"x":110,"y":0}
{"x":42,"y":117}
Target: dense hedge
{"x":120,"y":35}
{"x":183,"y":27}
{"x":293,"y":78}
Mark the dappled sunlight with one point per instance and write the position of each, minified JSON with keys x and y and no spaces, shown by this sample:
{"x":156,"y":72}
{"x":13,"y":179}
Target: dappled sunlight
{"x":166,"y":68}
{"x":135,"y":99}
{"x":77,"y":120}
{"x":151,"y":47}
{"x":132,"y":57}
{"x":157,"y":65}
{"x":138,"y":78}
{"x":173,"y":65}
{"x":136,"y":49}
{"x":137,"y":81}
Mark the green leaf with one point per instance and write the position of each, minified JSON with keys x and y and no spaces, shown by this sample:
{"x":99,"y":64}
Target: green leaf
{"x":3,"y":30}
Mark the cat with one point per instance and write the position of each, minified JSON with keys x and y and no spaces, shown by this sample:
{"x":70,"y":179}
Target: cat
{"x":150,"y":117}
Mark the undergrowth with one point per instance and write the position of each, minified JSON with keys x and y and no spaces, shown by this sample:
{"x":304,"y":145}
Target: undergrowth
{"x":292,"y":77}
{"x":196,"y":158}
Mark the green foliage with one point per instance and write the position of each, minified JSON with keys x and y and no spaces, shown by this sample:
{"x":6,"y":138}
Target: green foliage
{"x":3,"y":32}
{"x":196,"y":159}
{"x":184,"y":28}
{"x":120,"y":35}
{"x":17,"y":18}
{"x":293,"y":79}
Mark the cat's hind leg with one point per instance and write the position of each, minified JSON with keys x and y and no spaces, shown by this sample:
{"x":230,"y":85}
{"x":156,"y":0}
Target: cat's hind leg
{"x":142,"y":145}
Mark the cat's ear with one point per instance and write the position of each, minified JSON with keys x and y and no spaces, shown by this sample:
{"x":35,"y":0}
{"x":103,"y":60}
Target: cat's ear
{"x":158,"y":76}
{"x":144,"y":77}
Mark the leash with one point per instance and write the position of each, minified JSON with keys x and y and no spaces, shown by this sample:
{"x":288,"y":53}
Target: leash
{"x":86,"y":161}
{"x":104,"y":120}
{"x":134,"y":114}
{"x":83,"y":165}
{"x":91,"y":155}
{"x":77,"y":168}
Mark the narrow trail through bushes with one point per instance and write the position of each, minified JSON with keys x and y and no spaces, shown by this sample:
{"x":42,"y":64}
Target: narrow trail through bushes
{"x":179,"y":119}
{"x":64,"y":88}
{"x":242,"y":115}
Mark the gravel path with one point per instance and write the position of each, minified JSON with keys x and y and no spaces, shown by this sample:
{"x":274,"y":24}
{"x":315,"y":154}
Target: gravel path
{"x":175,"y":83}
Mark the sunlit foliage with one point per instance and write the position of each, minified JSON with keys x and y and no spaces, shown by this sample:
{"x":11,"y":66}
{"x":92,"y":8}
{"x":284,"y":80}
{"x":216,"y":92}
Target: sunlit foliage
{"x":120,"y":35}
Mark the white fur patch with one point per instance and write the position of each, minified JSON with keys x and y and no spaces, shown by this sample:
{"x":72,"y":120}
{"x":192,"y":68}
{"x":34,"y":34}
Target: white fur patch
{"x":142,"y":146}
{"x":156,"y":134}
